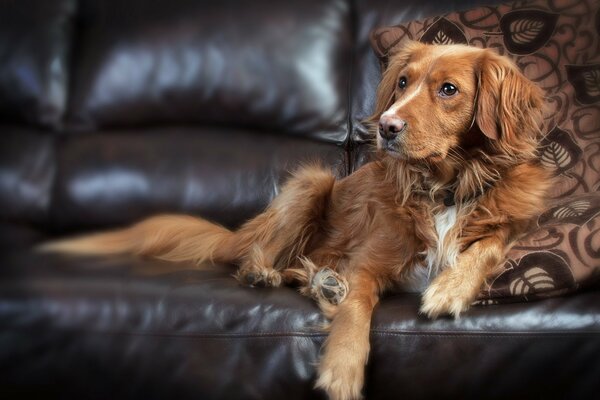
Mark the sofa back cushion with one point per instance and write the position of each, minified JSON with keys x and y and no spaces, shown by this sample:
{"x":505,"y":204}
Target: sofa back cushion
{"x":34,"y":55}
{"x":261,"y":64}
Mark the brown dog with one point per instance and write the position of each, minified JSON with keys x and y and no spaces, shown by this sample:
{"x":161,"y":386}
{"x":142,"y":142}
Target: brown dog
{"x":456,"y":181}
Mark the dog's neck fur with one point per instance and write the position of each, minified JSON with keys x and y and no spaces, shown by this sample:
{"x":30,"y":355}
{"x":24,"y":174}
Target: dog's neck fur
{"x":466,"y":179}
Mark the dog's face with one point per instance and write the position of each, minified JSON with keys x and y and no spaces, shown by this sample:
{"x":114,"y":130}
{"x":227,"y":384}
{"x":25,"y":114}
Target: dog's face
{"x":431,"y":97}
{"x":433,"y":102}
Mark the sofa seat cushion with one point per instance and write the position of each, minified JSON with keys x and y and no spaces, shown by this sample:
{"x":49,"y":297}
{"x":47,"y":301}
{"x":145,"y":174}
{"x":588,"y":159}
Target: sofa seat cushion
{"x":545,"y":349}
{"x":131,"y":328}
{"x":128,"y":328}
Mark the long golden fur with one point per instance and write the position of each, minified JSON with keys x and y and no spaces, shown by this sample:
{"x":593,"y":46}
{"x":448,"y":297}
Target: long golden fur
{"x":453,"y":185}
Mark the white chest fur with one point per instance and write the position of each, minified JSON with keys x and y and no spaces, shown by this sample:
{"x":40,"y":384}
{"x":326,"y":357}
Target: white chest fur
{"x":437,"y":257}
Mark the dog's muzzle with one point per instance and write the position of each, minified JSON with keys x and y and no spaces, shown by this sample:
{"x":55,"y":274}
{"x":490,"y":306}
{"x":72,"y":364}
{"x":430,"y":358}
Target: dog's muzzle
{"x":390,"y":127}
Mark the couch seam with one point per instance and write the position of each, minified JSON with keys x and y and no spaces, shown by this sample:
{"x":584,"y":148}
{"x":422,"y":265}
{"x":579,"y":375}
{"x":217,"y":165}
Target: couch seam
{"x":308,"y":335}
{"x":506,"y":334}
{"x":349,"y":145}
{"x":200,"y":335}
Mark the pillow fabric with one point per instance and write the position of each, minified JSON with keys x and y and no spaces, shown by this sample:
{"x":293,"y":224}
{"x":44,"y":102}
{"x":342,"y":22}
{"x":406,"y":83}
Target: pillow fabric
{"x":556,"y":43}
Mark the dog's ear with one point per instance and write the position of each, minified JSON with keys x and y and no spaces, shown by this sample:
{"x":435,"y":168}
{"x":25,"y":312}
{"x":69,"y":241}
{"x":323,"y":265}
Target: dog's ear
{"x":387,"y":87}
{"x":509,"y":106}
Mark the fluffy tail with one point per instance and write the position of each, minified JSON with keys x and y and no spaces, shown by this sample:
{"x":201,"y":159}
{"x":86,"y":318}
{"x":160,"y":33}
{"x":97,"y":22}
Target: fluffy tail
{"x":167,"y":237}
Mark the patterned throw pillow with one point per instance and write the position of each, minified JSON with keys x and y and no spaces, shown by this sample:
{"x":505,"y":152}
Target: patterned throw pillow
{"x":556,"y":43}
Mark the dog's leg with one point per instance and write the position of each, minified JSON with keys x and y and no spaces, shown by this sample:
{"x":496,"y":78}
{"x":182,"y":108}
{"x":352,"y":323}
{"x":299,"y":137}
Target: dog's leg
{"x":328,"y":286}
{"x":341,"y":371}
{"x":453,"y":291}
{"x":323,"y":284}
{"x":276,"y":238}
{"x":257,"y":270}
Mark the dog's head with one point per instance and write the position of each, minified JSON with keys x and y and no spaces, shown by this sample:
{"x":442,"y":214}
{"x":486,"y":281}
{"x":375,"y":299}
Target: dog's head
{"x":434,"y":100}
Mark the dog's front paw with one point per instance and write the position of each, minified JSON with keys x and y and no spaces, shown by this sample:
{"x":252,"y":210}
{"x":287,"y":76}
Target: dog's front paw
{"x":328,"y":285}
{"x":449,"y":294}
{"x":341,"y":378}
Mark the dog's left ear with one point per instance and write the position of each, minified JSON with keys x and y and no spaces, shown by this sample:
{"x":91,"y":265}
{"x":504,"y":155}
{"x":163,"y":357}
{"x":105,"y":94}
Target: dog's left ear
{"x":509,"y":106}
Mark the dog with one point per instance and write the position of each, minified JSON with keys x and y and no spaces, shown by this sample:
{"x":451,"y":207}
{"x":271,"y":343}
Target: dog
{"x":455,"y":181}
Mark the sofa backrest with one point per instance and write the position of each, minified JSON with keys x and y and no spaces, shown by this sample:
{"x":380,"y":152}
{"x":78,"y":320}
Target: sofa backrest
{"x":114,"y":110}
{"x":35,"y":39}
{"x":279,"y":66}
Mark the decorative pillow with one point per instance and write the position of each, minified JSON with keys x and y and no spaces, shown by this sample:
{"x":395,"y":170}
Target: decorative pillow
{"x":556,"y":43}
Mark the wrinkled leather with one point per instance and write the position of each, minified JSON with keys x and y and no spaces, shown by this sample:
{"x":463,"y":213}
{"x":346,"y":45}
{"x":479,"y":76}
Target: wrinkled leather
{"x":34,"y":60}
{"x":260,"y":64}
{"x":146,"y":329}
{"x":27,"y":170}
{"x":226,"y":175}
{"x":547,"y":349}
{"x":122,"y":328}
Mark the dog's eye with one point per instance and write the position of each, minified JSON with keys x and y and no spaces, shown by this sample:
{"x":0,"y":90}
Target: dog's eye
{"x":402,"y":82}
{"x":448,"y":90}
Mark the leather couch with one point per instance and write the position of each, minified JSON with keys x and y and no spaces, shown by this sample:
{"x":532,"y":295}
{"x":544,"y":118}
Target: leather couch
{"x":111,"y":111}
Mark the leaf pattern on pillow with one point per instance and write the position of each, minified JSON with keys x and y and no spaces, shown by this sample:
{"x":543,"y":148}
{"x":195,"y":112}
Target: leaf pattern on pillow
{"x":444,"y":32}
{"x":592,"y":82}
{"x":586,"y":81}
{"x":534,"y":279}
{"x":526,"y":31}
{"x":537,"y":274}
{"x":575,"y":209}
{"x":578,"y":211}
{"x":558,"y":151}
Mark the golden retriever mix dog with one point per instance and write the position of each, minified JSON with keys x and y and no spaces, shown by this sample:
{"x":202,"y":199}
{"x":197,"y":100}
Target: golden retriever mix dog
{"x":455,"y":182}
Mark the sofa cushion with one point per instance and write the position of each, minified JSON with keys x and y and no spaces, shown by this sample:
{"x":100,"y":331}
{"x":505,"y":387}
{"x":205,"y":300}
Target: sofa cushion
{"x":261,"y":64}
{"x":556,"y":46}
{"x":545,"y":350}
{"x":125,"y":328}
{"x":121,"y":328}
{"x":35,"y":44}
{"x":113,"y":178}
{"x":27,"y":171}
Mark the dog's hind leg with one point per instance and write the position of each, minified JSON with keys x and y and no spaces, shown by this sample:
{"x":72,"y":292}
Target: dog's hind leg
{"x":276,"y":238}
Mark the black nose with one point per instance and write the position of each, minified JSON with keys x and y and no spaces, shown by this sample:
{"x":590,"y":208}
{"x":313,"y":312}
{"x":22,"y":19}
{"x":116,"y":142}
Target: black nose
{"x":390,"y":127}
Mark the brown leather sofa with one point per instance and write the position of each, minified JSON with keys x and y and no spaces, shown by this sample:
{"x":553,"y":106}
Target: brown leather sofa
{"x":111,"y":111}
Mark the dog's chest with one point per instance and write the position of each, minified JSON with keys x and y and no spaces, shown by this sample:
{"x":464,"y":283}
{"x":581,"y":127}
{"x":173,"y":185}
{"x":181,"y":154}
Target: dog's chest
{"x":441,"y":254}
{"x":444,"y":221}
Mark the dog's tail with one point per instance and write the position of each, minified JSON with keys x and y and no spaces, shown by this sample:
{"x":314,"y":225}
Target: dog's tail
{"x":167,"y":237}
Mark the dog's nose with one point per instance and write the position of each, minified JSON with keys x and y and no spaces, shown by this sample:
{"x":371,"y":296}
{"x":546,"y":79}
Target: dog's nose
{"x":390,"y":127}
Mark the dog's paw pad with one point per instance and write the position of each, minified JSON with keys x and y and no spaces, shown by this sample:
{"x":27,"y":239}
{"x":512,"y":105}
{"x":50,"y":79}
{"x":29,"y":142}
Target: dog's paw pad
{"x":329,"y":286}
